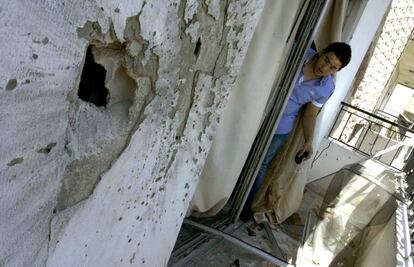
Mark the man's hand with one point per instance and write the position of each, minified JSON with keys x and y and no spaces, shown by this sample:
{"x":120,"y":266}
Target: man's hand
{"x":306,"y":147}
{"x":308,"y":124}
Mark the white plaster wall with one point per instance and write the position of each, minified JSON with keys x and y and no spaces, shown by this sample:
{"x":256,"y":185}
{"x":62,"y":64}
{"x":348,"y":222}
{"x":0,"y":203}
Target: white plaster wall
{"x":148,"y":166}
{"x":360,"y":41}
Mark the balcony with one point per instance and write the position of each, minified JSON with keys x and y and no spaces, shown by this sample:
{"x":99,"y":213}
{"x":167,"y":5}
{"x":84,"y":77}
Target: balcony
{"x":369,"y":133}
{"x":356,"y":210}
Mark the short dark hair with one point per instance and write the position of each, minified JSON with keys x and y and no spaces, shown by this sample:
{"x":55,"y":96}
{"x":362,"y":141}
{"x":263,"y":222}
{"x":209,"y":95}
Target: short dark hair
{"x":341,"y":50}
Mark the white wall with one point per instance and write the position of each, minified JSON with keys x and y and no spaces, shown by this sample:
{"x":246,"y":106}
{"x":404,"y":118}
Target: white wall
{"x":147,"y":166}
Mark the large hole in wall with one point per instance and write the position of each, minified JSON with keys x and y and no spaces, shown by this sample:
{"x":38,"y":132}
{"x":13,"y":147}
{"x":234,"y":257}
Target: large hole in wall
{"x":122,"y":88}
{"x":101,"y":133}
{"x":105,"y":82}
{"x":92,"y":84}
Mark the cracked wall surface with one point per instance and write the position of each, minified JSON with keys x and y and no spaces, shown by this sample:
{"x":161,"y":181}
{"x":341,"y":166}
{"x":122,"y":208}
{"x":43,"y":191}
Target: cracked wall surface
{"x":82,"y":185}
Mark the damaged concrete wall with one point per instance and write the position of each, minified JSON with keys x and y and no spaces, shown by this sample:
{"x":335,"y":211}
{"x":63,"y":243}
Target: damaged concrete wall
{"x":88,"y":185}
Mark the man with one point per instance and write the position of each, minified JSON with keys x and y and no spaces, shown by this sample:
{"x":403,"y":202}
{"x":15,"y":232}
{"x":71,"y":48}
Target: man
{"x":312,"y":89}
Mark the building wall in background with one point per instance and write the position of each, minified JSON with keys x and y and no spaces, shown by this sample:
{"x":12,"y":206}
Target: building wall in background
{"x":393,"y":38}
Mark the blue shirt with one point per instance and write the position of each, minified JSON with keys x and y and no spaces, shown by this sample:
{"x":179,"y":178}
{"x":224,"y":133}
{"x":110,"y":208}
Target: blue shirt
{"x":316,"y":91}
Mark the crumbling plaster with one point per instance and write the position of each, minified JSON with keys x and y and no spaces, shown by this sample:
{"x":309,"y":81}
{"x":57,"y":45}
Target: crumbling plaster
{"x":91,"y":186}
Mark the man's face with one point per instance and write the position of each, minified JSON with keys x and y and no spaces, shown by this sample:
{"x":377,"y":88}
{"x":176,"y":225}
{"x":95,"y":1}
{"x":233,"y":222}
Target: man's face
{"x":326,"y":64}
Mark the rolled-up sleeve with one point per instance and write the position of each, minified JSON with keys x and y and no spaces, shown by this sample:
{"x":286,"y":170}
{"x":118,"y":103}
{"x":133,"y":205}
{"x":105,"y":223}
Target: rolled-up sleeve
{"x":318,"y":104}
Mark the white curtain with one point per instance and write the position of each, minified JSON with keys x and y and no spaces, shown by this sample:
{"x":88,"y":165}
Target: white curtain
{"x":241,"y":118}
{"x":331,"y":24}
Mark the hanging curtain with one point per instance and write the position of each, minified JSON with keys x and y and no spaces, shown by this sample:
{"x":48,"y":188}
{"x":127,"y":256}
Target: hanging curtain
{"x":281,"y":193}
{"x":332,"y":23}
{"x":242,"y":116}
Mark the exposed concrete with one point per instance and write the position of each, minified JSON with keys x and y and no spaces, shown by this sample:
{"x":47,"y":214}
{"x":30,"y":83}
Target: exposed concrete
{"x":170,"y":68}
{"x":99,"y":135}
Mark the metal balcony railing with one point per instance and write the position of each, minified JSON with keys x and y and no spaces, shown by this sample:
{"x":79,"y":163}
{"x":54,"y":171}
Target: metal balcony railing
{"x":369,"y":133}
